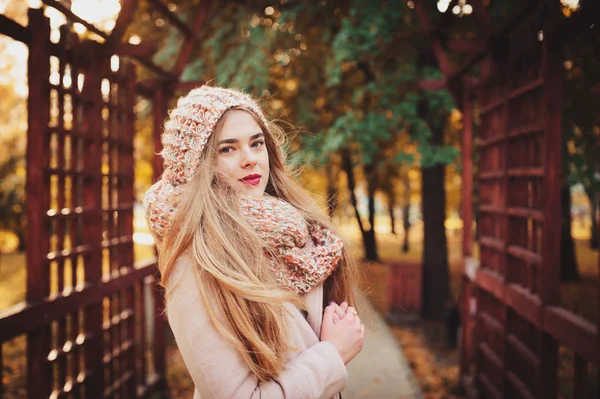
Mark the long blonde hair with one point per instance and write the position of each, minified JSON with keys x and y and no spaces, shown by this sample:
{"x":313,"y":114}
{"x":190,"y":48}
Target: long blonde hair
{"x":233,"y":272}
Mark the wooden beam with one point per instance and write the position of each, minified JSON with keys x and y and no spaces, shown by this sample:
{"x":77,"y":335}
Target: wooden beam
{"x":147,"y":88}
{"x":75,"y":18}
{"x":465,"y":66}
{"x":123,"y":20}
{"x":470,"y":82}
{"x":139,"y":50}
{"x":430,"y":84}
{"x":552,"y":73}
{"x":14,"y":29}
{"x":438,"y":51}
{"x":424,"y":18}
{"x":39,"y":371}
{"x":482,"y":18}
{"x":466,"y":46}
{"x":440,"y":56}
{"x":164,"y":75}
{"x":172,"y":17}
{"x":573,"y":331}
{"x":467,"y":171}
{"x":588,"y":18}
{"x":188,"y":45}
{"x":434,"y":30}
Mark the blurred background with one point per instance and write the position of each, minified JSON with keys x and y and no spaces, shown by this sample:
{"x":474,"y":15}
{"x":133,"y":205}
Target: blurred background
{"x":354,"y":83}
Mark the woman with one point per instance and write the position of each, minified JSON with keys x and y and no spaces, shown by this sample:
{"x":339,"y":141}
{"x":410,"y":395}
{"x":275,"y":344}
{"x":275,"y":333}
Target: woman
{"x":247,"y":258}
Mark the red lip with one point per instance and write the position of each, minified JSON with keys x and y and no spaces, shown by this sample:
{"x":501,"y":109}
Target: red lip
{"x":251,"y":179}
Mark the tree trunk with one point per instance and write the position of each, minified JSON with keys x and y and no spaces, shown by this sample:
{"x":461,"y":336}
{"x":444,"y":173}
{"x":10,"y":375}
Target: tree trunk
{"x":21,"y":232}
{"x":406,"y":225}
{"x":369,"y":239}
{"x":332,"y":202}
{"x":22,"y":242}
{"x":406,"y":213}
{"x":594,"y":237}
{"x":593,"y":197}
{"x":436,"y":290}
{"x":435,"y":281}
{"x":368,"y":236}
{"x":391,"y":204}
{"x":347,"y":165}
{"x":370,"y":245}
{"x":568,"y":261}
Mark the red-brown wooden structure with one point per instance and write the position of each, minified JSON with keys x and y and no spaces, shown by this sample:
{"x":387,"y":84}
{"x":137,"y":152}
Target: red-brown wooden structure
{"x":85,"y":315}
{"x":513,"y":323}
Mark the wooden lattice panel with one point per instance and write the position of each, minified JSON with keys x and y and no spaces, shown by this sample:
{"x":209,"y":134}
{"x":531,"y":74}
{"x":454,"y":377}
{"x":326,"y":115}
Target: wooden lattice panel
{"x":85,"y":318}
{"x":513,"y":147}
{"x":489,"y":343}
{"x":492,"y":184}
{"x":513,"y":295}
{"x":526,"y":139}
{"x":119,"y":310}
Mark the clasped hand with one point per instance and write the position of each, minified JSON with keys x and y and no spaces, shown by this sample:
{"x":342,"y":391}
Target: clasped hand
{"x":342,"y":327}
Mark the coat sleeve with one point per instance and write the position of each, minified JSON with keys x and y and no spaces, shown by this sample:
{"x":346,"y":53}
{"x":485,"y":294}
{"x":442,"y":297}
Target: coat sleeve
{"x":216,"y":368}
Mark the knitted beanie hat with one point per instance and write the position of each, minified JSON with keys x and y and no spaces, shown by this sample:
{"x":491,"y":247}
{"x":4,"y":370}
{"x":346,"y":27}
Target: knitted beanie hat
{"x":185,"y":135}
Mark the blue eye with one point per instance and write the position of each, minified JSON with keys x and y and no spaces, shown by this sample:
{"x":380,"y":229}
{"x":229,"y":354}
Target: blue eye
{"x":225,"y":150}
{"x":258,"y":143}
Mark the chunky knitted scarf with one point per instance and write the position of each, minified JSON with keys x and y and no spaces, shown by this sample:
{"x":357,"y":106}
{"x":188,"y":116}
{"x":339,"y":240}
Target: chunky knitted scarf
{"x":307,"y":252}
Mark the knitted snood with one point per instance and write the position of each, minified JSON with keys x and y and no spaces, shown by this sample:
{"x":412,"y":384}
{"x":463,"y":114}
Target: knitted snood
{"x":306,"y":253}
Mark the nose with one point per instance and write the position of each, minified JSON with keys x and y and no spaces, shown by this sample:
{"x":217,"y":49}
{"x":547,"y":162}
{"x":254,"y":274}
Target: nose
{"x":248,"y":158}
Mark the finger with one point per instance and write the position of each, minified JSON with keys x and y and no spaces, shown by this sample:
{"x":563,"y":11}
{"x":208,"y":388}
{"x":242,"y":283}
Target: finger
{"x":336,"y":318}
{"x":349,"y":317}
{"x":328,"y":313}
{"x":339,"y":311}
{"x":344,"y":306}
{"x":352,"y":310}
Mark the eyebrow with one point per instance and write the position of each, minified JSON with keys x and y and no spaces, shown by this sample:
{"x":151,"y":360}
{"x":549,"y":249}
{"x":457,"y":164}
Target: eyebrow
{"x":231,"y":141}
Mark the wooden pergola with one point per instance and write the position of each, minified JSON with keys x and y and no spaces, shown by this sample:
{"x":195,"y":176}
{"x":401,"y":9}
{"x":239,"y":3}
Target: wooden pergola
{"x":92,"y":317}
{"x":513,"y":322}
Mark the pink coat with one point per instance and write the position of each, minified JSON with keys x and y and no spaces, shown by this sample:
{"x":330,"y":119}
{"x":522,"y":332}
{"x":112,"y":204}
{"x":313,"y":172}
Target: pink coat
{"x":314,"y":370}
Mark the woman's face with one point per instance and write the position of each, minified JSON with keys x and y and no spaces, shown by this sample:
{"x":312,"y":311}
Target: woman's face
{"x":242,"y":156}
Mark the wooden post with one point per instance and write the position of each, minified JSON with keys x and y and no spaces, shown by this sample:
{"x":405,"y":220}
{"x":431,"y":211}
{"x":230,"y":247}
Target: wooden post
{"x":39,"y":372}
{"x":129,"y":199}
{"x":467,"y":218}
{"x":549,"y":282}
{"x":92,"y":226}
{"x":159,"y":108}
{"x":467,"y":173}
{"x":549,"y":277}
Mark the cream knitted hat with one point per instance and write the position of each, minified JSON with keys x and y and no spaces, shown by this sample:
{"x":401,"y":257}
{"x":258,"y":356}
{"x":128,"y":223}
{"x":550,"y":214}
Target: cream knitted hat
{"x":185,"y":135}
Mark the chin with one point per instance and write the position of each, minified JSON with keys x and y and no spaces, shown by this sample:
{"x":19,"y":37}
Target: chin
{"x":252,"y":191}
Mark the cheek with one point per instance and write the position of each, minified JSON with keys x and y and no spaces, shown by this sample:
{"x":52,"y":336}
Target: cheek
{"x":225,"y":167}
{"x":264,"y":161}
